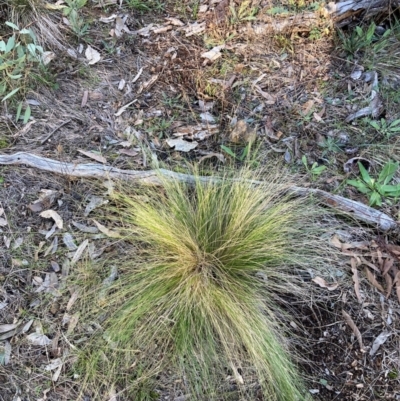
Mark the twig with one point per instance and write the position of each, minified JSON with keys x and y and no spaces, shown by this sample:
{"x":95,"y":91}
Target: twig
{"x":54,"y":130}
{"x":357,"y":210}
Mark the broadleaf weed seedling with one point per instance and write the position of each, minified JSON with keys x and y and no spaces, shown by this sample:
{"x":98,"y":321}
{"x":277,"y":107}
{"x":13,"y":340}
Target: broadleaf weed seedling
{"x":379,"y":188}
{"x":315,"y":170}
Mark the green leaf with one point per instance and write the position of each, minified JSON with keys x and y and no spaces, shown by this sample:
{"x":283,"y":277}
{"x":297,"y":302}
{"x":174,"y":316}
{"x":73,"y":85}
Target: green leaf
{"x":304,"y":161}
{"x":390,"y":190}
{"x":31,"y":48}
{"x":375,"y":125}
{"x":13,"y":92}
{"x":375,"y":199}
{"x":317,"y":170}
{"x":370,"y":32}
{"x":2,"y":46}
{"x":228,"y":150}
{"x":19,"y":109}
{"x":10,"y":44}
{"x":359,"y":31}
{"x":14,"y":76}
{"x":388,"y":172}
{"x":359,"y":185}
{"x":394,"y":123}
{"x":27,"y":114}
{"x":364,"y":173}
{"x":13,"y":26}
{"x":245,"y":152}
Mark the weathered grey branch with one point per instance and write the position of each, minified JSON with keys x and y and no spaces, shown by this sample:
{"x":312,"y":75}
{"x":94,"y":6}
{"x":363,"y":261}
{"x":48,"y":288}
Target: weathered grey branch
{"x":355,"y":209}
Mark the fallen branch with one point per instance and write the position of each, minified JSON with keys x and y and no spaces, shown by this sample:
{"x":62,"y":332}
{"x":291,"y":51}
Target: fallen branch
{"x":357,"y":210}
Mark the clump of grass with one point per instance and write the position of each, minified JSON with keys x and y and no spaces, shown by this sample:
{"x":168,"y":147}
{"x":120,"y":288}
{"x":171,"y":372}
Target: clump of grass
{"x":198,"y":291}
{"x":37,"y":15}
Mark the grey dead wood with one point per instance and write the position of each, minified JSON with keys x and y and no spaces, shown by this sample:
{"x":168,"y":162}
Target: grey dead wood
{"x":357,"y":210}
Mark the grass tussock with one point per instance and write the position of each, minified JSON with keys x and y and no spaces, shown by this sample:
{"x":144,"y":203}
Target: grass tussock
{"x":198,"y":293}
{"x":37,"y":15}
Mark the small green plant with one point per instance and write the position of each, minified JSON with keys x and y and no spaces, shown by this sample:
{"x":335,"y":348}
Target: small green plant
{"x":386,"y":129}
{"x":243,"y":12}
{"x":359,"y":39}
{"x":376,"y":189}
{"x":315,"y":34}
{"x":145,"y":5}
{"x":330,"y":145}
{"x":243,"y":155}
{"x":315,"y":170}
{"x":78,"y":25}
{"x":18,"y":56}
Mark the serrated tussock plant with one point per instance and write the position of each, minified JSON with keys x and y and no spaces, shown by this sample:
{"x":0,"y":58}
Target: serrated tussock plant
{"x":198,"y":292}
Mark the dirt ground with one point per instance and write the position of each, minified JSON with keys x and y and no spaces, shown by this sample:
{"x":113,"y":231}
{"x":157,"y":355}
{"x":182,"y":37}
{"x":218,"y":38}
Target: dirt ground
{"x":153,"y":98}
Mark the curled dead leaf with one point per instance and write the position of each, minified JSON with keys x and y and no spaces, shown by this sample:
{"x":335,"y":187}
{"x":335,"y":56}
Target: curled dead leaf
{"x":322,"y":283}
{"x":52,"y":214}
{"x":355,"y":329}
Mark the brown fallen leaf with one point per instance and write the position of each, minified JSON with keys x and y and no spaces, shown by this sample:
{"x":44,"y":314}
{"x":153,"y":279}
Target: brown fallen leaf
{"x":79,"y":251}
{"x":356,"y":279}
{"x":322,"y":283}
{"x":72,"y":300}
{"x":94,"y":156}
{"x":397,"y":281}
{"x":353,"y":326}
{"x":52,"y":214}
{"x":106,"y":231}
{"x":371,"y":278}
{"x":84,"y":98}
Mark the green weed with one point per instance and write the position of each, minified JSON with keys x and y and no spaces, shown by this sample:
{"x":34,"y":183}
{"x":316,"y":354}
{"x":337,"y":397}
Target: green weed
{"x":19,"y":55}
{"x":379,"y":188}
{"x":315,"y":170}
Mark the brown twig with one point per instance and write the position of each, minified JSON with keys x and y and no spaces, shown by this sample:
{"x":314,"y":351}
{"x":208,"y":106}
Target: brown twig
{"x":54,"y":130}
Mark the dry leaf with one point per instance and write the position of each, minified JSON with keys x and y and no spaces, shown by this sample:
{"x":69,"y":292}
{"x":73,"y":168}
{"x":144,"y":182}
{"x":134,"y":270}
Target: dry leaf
{"x":371,"y":278}
{"x":3,"y":222}
{"x":72,"y":300}
{"x":322,"y":283}
{"x":95,"y":201}
{"x":69,"y":242}
{"x":5,"y":353}
{"x":214,"y":53}
{"x":397,"y":281}
{"x":47,"y":57}
{"x":181,"y":145}
{"x":335,"y":241}
{"x":381,"y":339}
{"x":353,"y":326}
{"x":54,"y":364}
{"x":52,"y":214}
{"x":92,"y":55}
{"x":85,"y":229}
{"x":84,"y":98}
{"x":195,"y":29}
{"x":175,"y":21}
{"x":109,"y":19}
{"x":79,"y":251}
{"x":93,"y":156}
{"x":106,"y":231}
{"x":355,"y":277}
{"x":72,"y":323}
{"x":38,"y":339}
{"x":123,"y":108}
